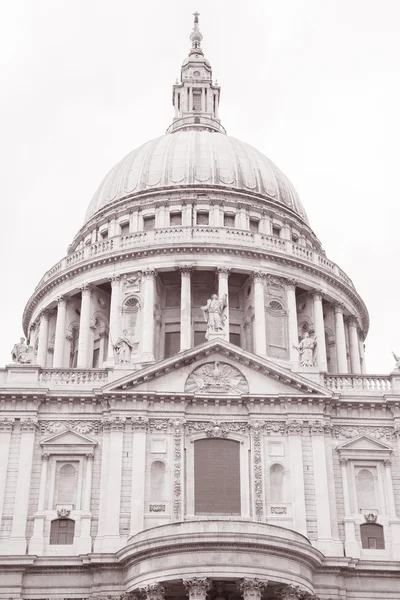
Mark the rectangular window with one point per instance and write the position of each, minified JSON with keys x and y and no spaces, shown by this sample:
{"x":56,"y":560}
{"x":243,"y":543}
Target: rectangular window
{"x":216,"y":477}
{"x":202,"y":217}
{"x":149,"y":222}
{"x":175,"y":219}
{"x":254,"y":225}
{"x":229,"y":220}
{"x":172,"y":343}
{"x":234,"y":338}
{"x":172,"y":296}
{"x":295,"y":238}
{"x":124,"y":228}
{"x":196,"y":99}
{"x":104,"y":234}
{"x":276,"y":231}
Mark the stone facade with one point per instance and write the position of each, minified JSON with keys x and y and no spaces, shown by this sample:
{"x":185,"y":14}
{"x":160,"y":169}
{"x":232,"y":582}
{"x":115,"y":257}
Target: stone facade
{"x":191,"y":414}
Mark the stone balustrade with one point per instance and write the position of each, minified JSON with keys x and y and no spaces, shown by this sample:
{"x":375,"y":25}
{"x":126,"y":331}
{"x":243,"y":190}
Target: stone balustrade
{"x":73,"y":377}
{"x":366,"y":383}
{"x":215,"y":236}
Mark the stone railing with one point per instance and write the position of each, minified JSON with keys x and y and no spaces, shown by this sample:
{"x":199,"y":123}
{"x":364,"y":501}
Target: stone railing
{"x":365,"y":383}
{"x":73,"y":376}
{"x":207,"y":235}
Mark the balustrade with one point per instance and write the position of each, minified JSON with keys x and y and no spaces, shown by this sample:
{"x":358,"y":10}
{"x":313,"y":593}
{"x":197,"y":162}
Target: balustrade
{"x":370,"y":383}
{"x":73,"y":376}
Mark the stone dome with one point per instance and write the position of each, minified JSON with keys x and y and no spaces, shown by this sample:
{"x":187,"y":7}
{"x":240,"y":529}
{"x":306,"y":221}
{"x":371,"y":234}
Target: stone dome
{"x":196,"y":158}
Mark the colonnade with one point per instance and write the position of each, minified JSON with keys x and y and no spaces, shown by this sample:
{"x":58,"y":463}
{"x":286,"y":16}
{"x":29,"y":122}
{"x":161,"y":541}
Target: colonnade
{"x":197,"y":588}
{"x":354,"y":364}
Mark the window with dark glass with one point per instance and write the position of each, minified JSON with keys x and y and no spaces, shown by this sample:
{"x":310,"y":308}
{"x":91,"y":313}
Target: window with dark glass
{"x":202,"y":217}
{"x":62,"y":532}
{"x":196,"y":99}
{"x":171,"y":343}
{"x":372,"y":536}
{"x":216,"y":477}
{"x":104,"y":234}
{"x":175,"y":218}
{"x":254,"y":225}
{"x":124,"y":228}
{"x":149,"y":222}
{"x":276,"y":231}
{"x":229,"y":220}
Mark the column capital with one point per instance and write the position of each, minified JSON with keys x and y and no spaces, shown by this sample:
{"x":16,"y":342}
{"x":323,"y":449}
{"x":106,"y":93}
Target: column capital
{"x":294,"y":427}
{"x":86,"y":288}
{"x":44,"y":315}
{"x":387,"y":463}
{"x":343,"y":461}
{"x":252,"y":588}
{"x":89,"y":456}
{"x":338,"y":308}
{"x":61,"y":299}
{"x":316,"y":295}
{"x":352,"y":321}
{"x":186,"y":270}
{"x":28,"y":424}
{"x":290,"y":592}
{"x":291,"y":284}
{"x":45,"y":456}
{"x":259,"y":276}
{"x":115,"y":280}
{"x":6,"y":424}
{"x":223,"y":272}
{"x":149,"y":273}
{"x":153,"y":591}
{"x":197,"y":587}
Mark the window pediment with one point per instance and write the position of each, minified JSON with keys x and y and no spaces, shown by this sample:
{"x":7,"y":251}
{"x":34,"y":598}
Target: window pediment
{"x":365,"y":447}
{"x":68,"y":442}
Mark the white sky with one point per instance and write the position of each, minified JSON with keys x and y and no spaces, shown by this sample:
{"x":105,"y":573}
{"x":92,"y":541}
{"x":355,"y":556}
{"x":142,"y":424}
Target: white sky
{"x":313,"y":84}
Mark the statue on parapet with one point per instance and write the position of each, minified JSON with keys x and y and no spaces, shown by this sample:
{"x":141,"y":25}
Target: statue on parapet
{"x":123,"y":348}
{"x":22,"y":353}
{"x":306,"y":350}
{"x":397,"y":359}
{"x":215,"y":314}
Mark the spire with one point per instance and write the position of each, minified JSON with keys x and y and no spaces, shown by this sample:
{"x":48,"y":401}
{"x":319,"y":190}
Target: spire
{"x":195,"y":97}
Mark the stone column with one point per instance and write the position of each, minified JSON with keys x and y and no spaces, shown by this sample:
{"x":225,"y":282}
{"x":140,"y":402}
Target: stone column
{"x":103,"y":503}
{"x":17,"y":540}
{"x":43,"y":338}
{"x":292,"y":320}
{"x":149,"y":295}
{"x":251,"y":589}
{"x":111,"y":540}
{"x":153,"y":591}
{"x":186,"y":307}
{"x":295,"y":431}
{"x":324,"y":542}
{"x":319,"y":331}
{"x":84,"y":542}
{"x":260,"y":333}
{"x":36,"y":543}
{"x":59,"y":338}
{"x":197,"y":588}
{"x":361,"y":349}
{"x":138,"y":475}
{"x":223,"y":275}
{"x":6,"y":427}
{"x":354,"y":349}
{"x":84,"y":327}
{"x":340,"y":340}
{"x":114,"y":329}
{"x":391,"y":506}
{"x":352,"y":547}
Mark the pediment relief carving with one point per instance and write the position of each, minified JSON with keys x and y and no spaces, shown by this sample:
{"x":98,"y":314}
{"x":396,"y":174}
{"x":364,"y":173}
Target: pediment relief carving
{"x":216,"y":378}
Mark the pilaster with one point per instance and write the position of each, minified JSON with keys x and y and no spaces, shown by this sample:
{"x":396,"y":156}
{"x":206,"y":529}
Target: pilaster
{"x":294,"y":429}
{"x":138,"y":475}
{"x":149,"y":294}
{"x":6,"y":428}
{"x":260,"y":333}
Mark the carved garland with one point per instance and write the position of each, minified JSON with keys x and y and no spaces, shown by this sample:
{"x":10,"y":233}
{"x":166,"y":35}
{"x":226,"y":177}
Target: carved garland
{"x":177,"y":425}
{"x":255,"y":429}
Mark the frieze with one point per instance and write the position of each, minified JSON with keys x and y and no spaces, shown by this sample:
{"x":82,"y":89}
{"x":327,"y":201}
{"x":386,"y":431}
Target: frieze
{"x":83,"y":427}
{"x":114,"y":424}
{"x":140,"y":422}
{"x":157,"y":508}
{"x":158,"y":425}
{"x":279,"y":510}
{"x":216,"y":377}
{"x":379,"y":433}
{"x":217,"y":428}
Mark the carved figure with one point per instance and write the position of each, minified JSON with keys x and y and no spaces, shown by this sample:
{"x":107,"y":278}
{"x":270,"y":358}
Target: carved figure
{"x":216,"y":377}
{"x":215,"y":314}
{"x":123,"y":348}
{"x":397,"y":359}
{"x":22,"y":353}
{"x":306,"y":350}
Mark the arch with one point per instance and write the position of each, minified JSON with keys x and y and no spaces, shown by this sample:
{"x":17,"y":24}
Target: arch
{"x":217,"y":477}
{"x":365,"y":483}
{"x":130,"y":311}
{"x":372,"y":536}
{"x":62,"y":532}
{"x":276,"y":328}
{"x":276,"y":482}
{"x":66,"y":483}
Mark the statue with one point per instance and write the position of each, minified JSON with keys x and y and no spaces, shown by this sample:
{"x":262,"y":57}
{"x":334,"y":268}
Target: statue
{"x":22,"y":353}
{"x":214,"y":314}
{"x":306,"y":350}
{"x":397,"y":359}
{"x":123,"y":348}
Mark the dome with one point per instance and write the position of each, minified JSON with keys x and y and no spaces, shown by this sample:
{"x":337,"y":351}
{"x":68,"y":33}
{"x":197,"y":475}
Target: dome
{"x":196,"y":158}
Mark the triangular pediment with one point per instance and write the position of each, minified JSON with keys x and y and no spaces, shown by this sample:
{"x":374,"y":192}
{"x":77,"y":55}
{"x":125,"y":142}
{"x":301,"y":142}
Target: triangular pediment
{"x":217,"y":368}
{"x":364,"y":442}
{"x":68,"y":437}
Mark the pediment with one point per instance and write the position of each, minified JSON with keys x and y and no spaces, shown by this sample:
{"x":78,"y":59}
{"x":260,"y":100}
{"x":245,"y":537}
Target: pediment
{"x":68,"y":438}
{"x":364,"y":442}
{"x":217,"y":368}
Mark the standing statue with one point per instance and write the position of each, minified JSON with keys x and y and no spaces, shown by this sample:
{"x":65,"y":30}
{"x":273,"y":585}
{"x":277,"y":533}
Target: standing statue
{"x":123,"y":348}
{"x":397,"y":359}
{"x":306,"y":350}
{"x":215,"y":314}
{"x":22,"y":353}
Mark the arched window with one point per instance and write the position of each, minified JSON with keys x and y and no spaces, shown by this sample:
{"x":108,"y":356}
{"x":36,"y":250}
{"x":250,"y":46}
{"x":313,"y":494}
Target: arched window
{"x":365,"y":489}
{"x":216,"y":477}
{"x":276,"y":473}
{"x":62,"y":532}
{"x":372,"y":536}
{"x":66,"y":483}
{"x":276,"y":329}
{"x":157,"y":480}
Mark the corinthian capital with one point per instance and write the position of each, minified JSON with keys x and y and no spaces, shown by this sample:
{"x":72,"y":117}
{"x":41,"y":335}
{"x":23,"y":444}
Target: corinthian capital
{"x":223,"y":272}
{"x":149,"y":273}
{"x":186,"y":270}
{"x":290,"y":592}
{"x":153,"y":591}
{"x":258,"y":276}
{"x":252,"y":588}
{"x":197,"y":588}
{"x":86,"y":288}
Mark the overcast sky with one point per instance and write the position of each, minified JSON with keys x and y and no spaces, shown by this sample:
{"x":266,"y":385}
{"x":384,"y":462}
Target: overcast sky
{"x":313,"y":84}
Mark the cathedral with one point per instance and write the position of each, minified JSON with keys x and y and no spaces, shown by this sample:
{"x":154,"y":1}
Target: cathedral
{"x":189,"y":414}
